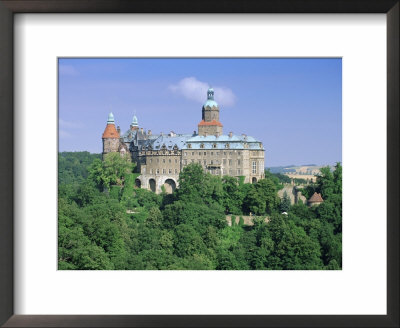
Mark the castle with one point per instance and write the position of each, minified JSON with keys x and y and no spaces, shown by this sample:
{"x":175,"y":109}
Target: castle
{"x":160,"y":158}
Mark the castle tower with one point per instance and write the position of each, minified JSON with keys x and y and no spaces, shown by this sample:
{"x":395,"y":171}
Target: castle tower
{"x":110,"y":136}
{"x":134,"y":125}
{"x":210,"y":124}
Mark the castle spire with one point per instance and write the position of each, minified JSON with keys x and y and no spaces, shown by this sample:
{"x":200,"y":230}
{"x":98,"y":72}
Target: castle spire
{"x":134,"y":121}
{"x":110,"y":118}
{"x":110,"y":131}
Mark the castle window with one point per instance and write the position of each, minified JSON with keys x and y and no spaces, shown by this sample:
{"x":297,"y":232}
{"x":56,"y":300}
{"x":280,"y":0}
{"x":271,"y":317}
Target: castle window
{"x":163,"y":171}
{"x":230,"y":171}
{"x":212,"y":162}
{"x":163,"y":160}
{"x":239,"y":153}
{"x":238,"y":161}
{"x":185,"y":162}
{"x":254,"y":167}
{"x":230,"y":153}
{"x":224,"y":160}
{"x":158,"y":171}
{"x":170,"y":171}
{"x":230,"y":162}
{"x":192,"y":153}
{"x":224,"y":153}
{"x":217,"y":153}
{"x":205,"y":153}
{"x":185,"y":153}
{"x":212,"y":153}
{"x":238,"y":171}
{"x":169,"y":161}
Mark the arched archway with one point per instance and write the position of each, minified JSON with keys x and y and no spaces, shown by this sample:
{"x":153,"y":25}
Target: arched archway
{"x":152,"y":185}
{"x":169,"y":186}
{"x":254,"y":180}
{"x":138,"y":183}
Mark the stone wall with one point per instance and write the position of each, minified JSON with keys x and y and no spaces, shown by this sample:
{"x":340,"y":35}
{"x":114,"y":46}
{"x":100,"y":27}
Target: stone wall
{"x":294,"y":194}
{"x":210,"y":130}
{"x":159,"y":181}
{"x":110,"y":145}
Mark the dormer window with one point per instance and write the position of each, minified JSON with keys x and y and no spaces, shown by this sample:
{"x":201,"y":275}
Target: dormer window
{"x":214,"y":145}
{"x":226,"y":145}
{"x":189,"y":146}
{"x":202,"y":146}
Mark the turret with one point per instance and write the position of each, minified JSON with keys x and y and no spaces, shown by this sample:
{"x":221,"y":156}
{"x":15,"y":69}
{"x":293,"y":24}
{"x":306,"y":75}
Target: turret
{"x":110,"y":136}
{"x":134,"y":125}
{"x":210,"y":124}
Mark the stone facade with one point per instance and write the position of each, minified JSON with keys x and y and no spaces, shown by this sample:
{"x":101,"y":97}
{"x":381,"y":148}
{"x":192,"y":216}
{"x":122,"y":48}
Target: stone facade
{"x":160,"y":158}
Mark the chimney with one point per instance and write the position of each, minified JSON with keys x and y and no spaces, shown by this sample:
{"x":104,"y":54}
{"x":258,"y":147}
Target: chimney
{"x":119,"y":130}
{"x":230,"y":134}
{"x":149,"y":132}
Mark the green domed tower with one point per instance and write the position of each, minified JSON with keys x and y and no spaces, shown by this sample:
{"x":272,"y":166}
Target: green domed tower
{"x":210,"y":124}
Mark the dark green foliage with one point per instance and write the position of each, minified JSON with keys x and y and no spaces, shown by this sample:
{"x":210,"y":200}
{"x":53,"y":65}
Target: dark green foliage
{"x":262,"y":198}
{"x":285,"y":203}
{"x":73,"y":166}
{"x":106,"y":223}
{"x":283,"y":178}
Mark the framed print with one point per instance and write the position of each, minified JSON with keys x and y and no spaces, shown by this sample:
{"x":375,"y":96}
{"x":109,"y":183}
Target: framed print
{"x":67,"y":63}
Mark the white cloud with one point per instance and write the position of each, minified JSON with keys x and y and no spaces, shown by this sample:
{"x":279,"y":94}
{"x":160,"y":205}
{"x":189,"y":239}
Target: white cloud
{"x":70,"y":124}
{"x":196,"y":90}
{"x":68,"y":70}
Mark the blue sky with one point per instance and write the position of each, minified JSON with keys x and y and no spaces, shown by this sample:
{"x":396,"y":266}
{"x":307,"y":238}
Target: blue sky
{"x":294,"y":106}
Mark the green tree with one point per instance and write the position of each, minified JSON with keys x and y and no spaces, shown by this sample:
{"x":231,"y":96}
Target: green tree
{"x":285,"y":203}
{"x":111,"y":171}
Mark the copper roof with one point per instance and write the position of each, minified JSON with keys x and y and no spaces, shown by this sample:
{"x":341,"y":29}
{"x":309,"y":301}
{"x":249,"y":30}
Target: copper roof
{"x":316,"y":198}
{"x":110,"y":132}
{"x":213,"y":122}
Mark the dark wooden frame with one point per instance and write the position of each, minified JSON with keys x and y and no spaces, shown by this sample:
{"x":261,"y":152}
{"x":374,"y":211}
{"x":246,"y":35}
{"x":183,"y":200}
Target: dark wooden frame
{"x":7,"y":10}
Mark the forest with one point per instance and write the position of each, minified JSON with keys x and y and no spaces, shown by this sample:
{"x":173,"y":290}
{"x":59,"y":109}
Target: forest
{"x":105,"y":223}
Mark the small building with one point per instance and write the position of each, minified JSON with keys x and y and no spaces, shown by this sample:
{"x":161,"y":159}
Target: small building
{"x":315,"y":199}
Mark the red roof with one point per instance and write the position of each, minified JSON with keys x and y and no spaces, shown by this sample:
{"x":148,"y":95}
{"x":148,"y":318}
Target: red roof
{"x":110,"y":132}
{"x":213,"y":122}
{"x":316,"y":198}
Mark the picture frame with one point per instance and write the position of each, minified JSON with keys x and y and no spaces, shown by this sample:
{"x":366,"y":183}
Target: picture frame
{"x":9,"y":8}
